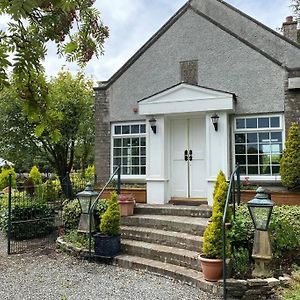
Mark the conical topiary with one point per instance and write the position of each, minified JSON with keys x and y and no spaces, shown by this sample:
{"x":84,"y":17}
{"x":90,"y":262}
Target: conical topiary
{"x":290,"y":161}
{"x":110,"y":221}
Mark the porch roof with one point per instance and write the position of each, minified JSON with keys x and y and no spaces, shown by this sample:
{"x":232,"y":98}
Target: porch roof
{"x":187,"y":98}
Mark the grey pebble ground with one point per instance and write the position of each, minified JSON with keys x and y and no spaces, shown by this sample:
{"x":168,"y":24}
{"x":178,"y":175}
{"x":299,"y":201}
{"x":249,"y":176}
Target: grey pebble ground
{"x":49,"y":274}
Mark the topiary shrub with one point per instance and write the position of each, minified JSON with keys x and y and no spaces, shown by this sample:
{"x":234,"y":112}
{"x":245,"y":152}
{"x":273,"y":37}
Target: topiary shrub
{"x":89,"y":174}
{"x":290,"y":161}
{"x":110,"y":221}
{"x":71,"y":214}
{"x":4,"y":177}
{"x":35,"y":175}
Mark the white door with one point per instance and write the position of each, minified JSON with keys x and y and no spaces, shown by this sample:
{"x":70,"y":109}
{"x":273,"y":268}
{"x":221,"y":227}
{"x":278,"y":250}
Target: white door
{"x":188,"y":158}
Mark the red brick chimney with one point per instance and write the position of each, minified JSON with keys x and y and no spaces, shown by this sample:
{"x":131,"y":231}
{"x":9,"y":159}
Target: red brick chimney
{"x":289,"y":28}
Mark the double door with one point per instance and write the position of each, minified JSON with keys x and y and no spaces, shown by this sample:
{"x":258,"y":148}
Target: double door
{"x":188,"y":176}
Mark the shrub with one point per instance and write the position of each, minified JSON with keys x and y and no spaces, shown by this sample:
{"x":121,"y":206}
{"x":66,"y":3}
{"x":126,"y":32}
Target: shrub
{"x":35,"y":175}
{"x":4,"y":177}
{"x":240,"y":262}
{"x":290,"y":161}
{"x":71,"y":214}
{"x":90,"y":173}
{"x":50,"y":192}
{"x":110,"y":221}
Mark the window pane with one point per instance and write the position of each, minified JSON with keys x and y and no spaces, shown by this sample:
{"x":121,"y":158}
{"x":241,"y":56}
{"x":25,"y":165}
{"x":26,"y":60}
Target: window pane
{"x":251,"y":137}
{"x":264,"y":149}
{"x":143,"y":128}
{"x":241,"y":159}
{"x":117,"y":152}
{"x":263,"y":123}
{"x":143,"y":151}
{"x":243,"y":170}
{"x":252,"y":148}
{"x":240,"y":138}
{"x":117,"y":142}
{"x":276,"y":148}
{"x":125,"y":171}
{"x":264,"y":137}
{"x":135,"y":141}
{"x":275,"y":122}
{"x":275,"y":169}
{"x":125,"y":129}
{"x":117,"y":161}
{"x":143,"y":170}
{"x":143,"y":141}
{"x":135,"y":161}
{"x":135,"y":129}
{"x":117,"y":129}
{"x":252,"y":160}
{"x":264,"y":159}
{"x":253,"y":170}
{"x":275,"y":158}
{"x":265,"y":170}
{"x":135,"y":170}
{"x":240,"y":123}
{"x":126,"y":143}
{"x":276,"y":137}
{"x":125,"y":151}
{"x":125,"y":161}
{"x":135,"y":151}
{"x":143,"y":161}
{"x":240,"y":149}
{"x":251,"y":123}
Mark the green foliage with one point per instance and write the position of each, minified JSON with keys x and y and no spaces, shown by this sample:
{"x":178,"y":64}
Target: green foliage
{"x":290,"y":161}
{"x":41,"y":216}
{"x":212,"y":244}
{"x":78,"y":239}
{"x":240,"y":262}
{"x":110,"y":221}
{"x":4,"y":177}
{"x":51,"y":190}
{"x":35,"y":175}
{"x":71,"y":214}
{"x":90,"y":173}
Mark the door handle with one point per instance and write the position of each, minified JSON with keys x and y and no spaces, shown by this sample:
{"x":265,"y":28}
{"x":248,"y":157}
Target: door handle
{"x":185,"y":155}
{"x":190,"y":155}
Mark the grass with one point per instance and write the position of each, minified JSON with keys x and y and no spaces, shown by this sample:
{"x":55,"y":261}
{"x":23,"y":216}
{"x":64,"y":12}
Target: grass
{"x":292,"y":292}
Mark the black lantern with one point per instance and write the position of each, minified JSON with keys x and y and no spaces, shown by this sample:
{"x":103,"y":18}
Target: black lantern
{"x":215,"y":121}
{"x":152,"y":122}
{"x":86,"y":199}
{"x":260,"y":209}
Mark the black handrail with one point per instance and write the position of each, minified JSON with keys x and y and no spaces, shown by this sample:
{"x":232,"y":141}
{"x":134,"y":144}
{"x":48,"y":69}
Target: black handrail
{"x":91,"y":211}
{"x":230,"y":194}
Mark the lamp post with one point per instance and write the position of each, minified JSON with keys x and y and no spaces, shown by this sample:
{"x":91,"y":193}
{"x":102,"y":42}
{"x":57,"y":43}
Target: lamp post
{"x":260,"y":209}
{"x":86,"y":199}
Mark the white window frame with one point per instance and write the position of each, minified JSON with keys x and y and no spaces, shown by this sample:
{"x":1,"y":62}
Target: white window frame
{"x":135,"y":178}
{"x":271,"y":178}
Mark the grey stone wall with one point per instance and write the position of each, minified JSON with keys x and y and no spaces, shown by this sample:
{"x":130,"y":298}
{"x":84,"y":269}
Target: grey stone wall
{"x":189,"y":71}
{"x":102,"y":136}
{"x":292,"y":102}
{"x":225,"y":63}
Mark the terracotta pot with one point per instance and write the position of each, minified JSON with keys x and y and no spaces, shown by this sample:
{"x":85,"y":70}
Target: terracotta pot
{"x":211,"y":268}
{"x":126,"y":208}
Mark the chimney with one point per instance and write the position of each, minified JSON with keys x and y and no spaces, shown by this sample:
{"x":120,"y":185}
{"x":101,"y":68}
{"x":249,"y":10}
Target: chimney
{"x":289,"y":29}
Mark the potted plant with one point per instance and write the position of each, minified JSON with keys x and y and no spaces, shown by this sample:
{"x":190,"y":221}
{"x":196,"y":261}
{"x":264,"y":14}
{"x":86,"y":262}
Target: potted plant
{"x":211,"y":258}
{"x":126,"y":202}
{"x":107,"y":241}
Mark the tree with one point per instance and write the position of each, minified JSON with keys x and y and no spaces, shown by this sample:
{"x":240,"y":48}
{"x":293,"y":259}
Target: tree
{"x":290,"y":161}
{"x":69,"y":107}
{"x":73,"y":25}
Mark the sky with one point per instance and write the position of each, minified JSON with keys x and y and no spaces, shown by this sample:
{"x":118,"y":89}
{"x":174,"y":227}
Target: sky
{"x":133,"y":22}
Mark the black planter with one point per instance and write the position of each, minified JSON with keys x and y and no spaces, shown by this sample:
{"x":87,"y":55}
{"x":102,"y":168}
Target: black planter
{"x":107,"y":246}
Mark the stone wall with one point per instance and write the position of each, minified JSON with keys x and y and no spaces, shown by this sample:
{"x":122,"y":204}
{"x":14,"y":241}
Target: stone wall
{"x":102,"y":136}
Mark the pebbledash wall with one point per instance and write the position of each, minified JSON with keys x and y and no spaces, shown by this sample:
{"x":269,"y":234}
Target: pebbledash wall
{"x":233,"y":53}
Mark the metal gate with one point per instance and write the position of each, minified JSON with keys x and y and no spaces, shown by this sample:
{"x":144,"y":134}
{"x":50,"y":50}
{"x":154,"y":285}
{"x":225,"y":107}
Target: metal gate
{"x":34,"y":217}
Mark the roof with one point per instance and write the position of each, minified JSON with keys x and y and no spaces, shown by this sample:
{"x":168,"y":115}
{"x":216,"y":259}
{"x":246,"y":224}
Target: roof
{"x":188,"y":5}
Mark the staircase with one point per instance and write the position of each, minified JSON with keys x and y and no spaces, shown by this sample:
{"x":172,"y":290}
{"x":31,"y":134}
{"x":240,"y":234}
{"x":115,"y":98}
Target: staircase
{"x":166,"y":240}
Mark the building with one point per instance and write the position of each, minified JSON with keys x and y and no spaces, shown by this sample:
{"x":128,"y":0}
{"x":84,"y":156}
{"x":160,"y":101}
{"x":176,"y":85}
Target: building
{"x":209,"y":60}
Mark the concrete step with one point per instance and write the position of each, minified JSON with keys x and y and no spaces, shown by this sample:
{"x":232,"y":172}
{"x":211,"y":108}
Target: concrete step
{"x":171,"y":255}
{"x":163,"y":237}
{"x":188,"y":201}
{"x":203,"y":211}
{"x":190,"y":225}
{"x":176,"y":272}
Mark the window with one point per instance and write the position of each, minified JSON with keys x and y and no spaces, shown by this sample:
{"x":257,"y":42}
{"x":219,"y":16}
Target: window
{"x":129,"y":148}
{"x":258,"y":144}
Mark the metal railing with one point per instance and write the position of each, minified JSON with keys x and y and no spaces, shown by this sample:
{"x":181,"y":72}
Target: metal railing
{"x":91,"y":211}
{"x":230,"y":196}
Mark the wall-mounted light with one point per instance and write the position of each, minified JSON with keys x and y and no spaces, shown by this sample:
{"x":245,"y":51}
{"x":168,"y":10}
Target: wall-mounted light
{"x":215,"y":121}
{"x":152,"y":122}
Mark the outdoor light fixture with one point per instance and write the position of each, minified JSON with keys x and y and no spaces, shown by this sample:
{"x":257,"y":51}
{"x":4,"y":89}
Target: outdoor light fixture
{"x":86,"y":199}
{"x":215,"y":121}
{"x":260,"y":209}
{"x":152,"y":122}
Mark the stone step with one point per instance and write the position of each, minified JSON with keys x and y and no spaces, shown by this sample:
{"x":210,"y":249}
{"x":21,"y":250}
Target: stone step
{"x":203,"y":211}
{"x":188,"y":201}
{"x":190,"y":225}
{"x":171,"y":255}
{"x":172,"y":271}
{"x":163,"y":237}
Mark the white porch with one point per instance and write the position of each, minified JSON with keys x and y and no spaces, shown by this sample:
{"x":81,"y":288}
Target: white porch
{"x":186,"y":152}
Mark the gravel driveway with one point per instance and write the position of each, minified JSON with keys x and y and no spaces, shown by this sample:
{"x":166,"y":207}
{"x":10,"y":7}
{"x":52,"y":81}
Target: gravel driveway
{"x":49,"y":274}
